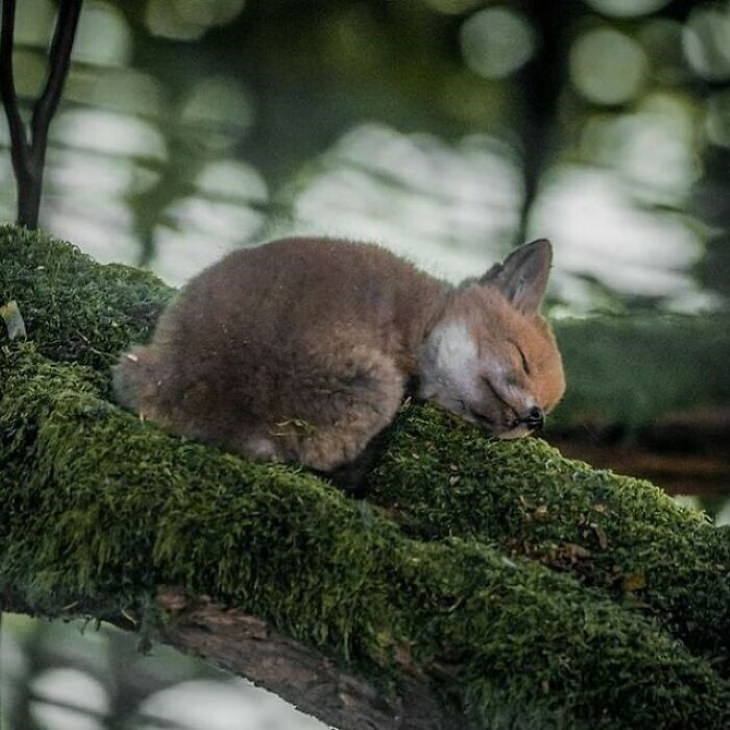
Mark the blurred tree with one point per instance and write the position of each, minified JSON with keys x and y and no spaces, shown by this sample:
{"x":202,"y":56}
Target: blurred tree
{"x":29,"y":152}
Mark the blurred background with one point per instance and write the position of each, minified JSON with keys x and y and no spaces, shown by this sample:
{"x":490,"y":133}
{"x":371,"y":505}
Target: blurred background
{"x":448,"y":131}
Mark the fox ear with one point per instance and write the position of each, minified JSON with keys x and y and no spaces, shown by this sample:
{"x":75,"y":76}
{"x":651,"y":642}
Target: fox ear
{"x":522,"y":277}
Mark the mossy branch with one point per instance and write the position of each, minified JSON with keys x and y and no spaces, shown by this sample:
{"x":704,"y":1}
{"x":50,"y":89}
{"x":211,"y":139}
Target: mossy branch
{"x":622,"y":535}
{"x":493,"y":584}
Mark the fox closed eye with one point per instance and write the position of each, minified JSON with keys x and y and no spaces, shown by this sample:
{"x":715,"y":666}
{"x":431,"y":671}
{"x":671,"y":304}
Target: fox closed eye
{"x":495,"y":393}
{"x":525,"y":364}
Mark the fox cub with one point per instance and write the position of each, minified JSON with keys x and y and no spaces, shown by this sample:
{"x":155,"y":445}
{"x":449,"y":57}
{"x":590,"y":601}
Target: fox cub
{"x":302,"y":350}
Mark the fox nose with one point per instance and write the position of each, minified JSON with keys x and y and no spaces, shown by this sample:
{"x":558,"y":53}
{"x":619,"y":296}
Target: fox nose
{"x":534,"y":419}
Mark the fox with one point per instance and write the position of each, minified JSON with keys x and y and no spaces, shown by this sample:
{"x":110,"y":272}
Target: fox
{"x":302,"y":350}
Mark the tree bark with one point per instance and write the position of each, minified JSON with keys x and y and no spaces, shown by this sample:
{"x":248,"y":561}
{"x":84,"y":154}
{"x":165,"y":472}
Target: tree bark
{"x":251,"y":648}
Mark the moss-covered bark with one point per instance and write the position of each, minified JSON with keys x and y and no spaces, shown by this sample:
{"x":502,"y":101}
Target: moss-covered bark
{"x":631,"y":369}
{"x":440,"y":477}
{"x":101,"y":505}
{"x":531,"y":591}
{"x":74,"y":309}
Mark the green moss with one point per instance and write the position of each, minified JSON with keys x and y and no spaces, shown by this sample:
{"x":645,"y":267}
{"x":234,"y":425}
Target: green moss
{"x":441,"y":477}
{"x":75,"y":309}
{"x":105,"y":506}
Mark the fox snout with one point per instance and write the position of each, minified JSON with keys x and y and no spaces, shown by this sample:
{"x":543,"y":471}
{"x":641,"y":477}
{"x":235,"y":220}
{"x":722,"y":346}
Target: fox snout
{"x":508,"y":424}
{"x":534,"y":419}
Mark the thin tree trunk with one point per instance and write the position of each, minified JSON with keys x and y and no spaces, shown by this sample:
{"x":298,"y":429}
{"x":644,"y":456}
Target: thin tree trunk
{"x":28,"y":152}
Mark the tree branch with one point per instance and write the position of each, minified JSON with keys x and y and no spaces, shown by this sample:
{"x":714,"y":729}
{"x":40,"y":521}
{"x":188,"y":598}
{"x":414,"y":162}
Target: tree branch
{"x":309,"y":680}
{"x":251,"y":648}
{"x":19,"y":147}
{"x":59,"y":61}
{"x":485,"y":584}
{"x":29,"y":155}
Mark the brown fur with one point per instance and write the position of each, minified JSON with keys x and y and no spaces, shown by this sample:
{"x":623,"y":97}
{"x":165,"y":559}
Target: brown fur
{"x":300,"y":350}
{"x":494,"y":322}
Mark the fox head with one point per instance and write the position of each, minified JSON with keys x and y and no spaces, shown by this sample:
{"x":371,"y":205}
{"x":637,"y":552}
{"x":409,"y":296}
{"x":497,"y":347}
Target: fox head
{"x":491,"y":358}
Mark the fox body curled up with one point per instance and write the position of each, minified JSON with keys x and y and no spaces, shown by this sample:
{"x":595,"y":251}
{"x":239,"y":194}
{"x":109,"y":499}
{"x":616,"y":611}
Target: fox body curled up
{"x":301,"y":350}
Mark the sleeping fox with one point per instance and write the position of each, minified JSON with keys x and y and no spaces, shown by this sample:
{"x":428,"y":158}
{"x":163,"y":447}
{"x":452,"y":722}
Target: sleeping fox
{"x":302,"y":350}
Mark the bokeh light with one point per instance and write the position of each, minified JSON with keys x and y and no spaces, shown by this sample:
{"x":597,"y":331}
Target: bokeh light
{"x":30,"y":66}
{"x":188,"y":20}
{"x":33,"y":23}
{"x":103,"y":131}
{"x":452,"y":209}
{"x":56,"y":686}
{"x":233,"y":705}
{"x":706,"y":41}
{"x":217,"y":110}
{"x":102,"y":20}
{"x":654,"y":149}
{"x":120,"y":90}
{"x":226,"y":210}
{"x":496,"y":42}
{"x":626,"y":8}
{"x":717,"y":122}
{"x":607,"y":66}
{"x":601,"y":234}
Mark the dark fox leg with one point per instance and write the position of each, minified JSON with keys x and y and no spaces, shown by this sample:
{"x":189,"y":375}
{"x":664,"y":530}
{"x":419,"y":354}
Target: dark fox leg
{"x":353,"y":477}
{"x":347,"y":401}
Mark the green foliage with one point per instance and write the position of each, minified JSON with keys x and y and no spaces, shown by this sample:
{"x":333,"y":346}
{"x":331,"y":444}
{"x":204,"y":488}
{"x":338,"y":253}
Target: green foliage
{"x":631,"y":369}
{"x":468,"y":571}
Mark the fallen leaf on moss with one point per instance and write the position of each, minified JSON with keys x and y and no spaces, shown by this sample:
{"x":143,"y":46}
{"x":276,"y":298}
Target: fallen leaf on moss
{"x":13,"y":319}
{"x":600,"y":535}
{"x":634,"y":582}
